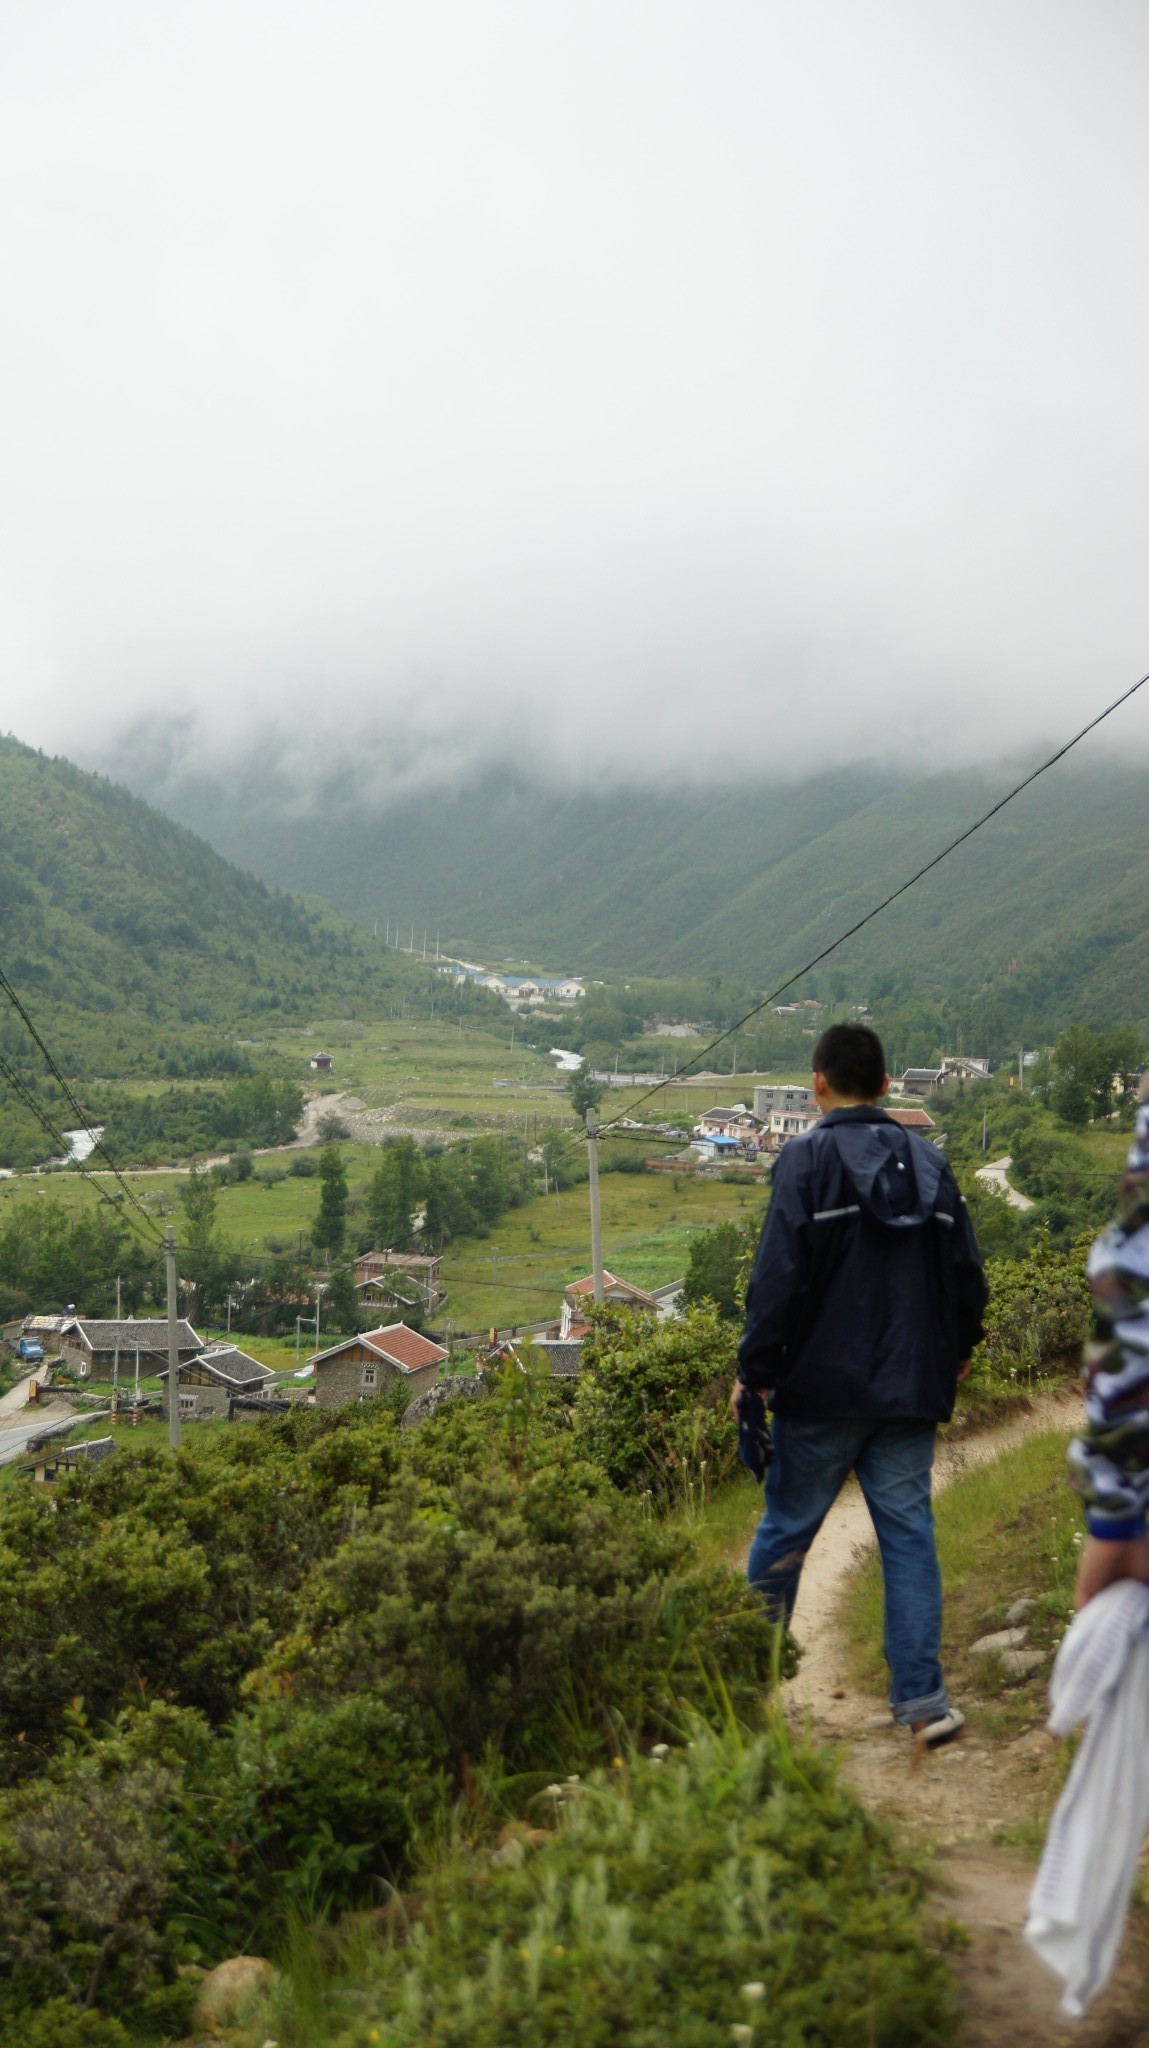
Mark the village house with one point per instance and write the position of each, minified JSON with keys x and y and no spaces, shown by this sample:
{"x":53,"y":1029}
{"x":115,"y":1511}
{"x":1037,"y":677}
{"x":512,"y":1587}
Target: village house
{"x":781,"y":1095}
{"x":321,"y":1062}
{"x":210,"y":1382}
{"x":736,"y":1122}
{"x":917,"y":1081}
{"x":960,"y":1067}
{"x":50,"y":1461}
{"x":580,"y":1294}
{"x":89,"y":1347}
{"x":407,"y":1279}
{"x":362,"y":1367}
{"x":785,"y":1123}
{"x":911,"y":1118}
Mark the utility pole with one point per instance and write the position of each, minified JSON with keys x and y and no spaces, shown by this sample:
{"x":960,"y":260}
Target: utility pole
{"x":119,"y":1311}
{"x":494,"y":1265}
{"x":320,"y":1285}
{"x":173,"y":1342}
{"x":1020,"y":1068}
{"x":595,"y":1217}
{"x":984,"y":1121}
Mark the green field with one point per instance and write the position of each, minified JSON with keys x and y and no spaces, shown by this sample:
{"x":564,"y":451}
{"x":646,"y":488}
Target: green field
{"x":450,"y":1084}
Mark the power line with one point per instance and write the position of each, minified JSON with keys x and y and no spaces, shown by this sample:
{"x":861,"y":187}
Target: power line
{"x":56,"y":1137}
{"x":894,"y":894}
{"x":80,"y":1113}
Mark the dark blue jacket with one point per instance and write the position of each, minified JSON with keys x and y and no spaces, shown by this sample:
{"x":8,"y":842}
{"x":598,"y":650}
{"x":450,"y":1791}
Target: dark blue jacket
{"x":867,"y":1289}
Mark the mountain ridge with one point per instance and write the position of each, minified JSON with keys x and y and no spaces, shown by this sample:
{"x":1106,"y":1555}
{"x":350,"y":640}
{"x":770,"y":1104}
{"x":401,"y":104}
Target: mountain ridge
{"x":1029,"y":925}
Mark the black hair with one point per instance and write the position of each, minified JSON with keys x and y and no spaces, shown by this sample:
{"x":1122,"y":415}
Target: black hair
{"x":852,"y":1059}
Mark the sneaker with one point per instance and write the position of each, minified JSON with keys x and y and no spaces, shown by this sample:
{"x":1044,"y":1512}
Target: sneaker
{"x":942,"y":1730}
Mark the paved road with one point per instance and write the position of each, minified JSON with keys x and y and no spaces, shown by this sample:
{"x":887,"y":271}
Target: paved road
{"x":994,"y":1173}
{"x":16,"y":1398}
{"x":14,"y":1441}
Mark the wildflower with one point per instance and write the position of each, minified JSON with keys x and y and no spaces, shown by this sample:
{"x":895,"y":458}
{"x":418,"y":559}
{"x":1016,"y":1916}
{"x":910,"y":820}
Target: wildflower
{"x":574,"y":1778}
{"x":741,"y":2032}
{"x":616,"y":1763}
{"x":753,"y":1991}
{"x":660,"y":1750}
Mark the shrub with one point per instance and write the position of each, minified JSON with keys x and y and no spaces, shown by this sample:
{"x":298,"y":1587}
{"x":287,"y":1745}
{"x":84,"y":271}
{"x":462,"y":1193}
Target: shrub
{"x":1038,"y":1315}
{"x":730,"y":1891}
{"x":521,"y":1612}
{"x":718,"y":1267}
{"x":651,"y":1405}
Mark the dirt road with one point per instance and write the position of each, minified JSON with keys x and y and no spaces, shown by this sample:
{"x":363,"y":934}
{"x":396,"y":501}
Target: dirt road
{"x":953,"y":1802}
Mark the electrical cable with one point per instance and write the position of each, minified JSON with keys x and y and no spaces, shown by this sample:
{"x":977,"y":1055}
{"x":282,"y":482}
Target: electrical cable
{"x":894,"y":894}
{"x":79,"y":1112}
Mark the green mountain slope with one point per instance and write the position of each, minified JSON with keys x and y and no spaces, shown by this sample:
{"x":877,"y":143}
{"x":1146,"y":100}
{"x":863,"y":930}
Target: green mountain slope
{"x":135,"y":945}
{"x":1032,"y":924}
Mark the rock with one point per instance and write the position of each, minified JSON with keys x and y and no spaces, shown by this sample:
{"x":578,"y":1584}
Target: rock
{"x":460,"y":1387}
{"x":1002,"y":1639}
{"x":1020,"y":1611}
{"x":230,"y":1990}
{"x":1020,"y":1663}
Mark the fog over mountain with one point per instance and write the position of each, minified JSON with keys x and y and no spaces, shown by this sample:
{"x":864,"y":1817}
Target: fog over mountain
{"x":646,"y":390}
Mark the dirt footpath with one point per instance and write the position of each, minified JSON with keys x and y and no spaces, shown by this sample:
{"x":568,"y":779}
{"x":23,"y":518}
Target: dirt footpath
{"x":952,"y":1800}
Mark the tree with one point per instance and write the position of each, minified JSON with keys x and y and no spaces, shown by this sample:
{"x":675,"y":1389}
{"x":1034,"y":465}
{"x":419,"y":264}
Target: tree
{"x":1081,"y":1064}
{"x":341,"y":1300}
{"x":397,"y":1186}
{"x":330,"y":1227}
{"x":585,"y":1092}
{"x":714,"y":1269}
{"x":203,"y":1258}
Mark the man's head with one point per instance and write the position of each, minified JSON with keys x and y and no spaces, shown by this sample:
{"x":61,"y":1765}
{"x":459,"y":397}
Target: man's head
{"x":849,"y":1066}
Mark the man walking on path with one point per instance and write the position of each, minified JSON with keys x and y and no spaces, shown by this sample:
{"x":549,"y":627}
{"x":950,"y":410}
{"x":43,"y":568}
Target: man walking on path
{"x":864,"y":1304}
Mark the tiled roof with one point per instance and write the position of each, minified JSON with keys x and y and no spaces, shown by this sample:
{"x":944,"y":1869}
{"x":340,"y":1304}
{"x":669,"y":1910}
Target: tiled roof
{"x":910,"y":1119}
{"x":144,"y":1333}
{"x":396,"y":1343}
{"x":565,"y":1359}
{"x":236,"y":1363}
{"x":609,"y":1281}
{"x":405,"y":1347}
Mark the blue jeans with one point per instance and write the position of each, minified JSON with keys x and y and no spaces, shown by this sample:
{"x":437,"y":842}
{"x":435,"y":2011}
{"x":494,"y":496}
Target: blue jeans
{"x":893,"y":1461}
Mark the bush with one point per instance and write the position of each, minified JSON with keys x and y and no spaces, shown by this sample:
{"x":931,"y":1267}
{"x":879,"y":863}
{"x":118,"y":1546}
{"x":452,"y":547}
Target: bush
{"x":245,"y":1684}
{"x":730,"y":1891}
{"x":651,"y":1404}
{"x":1038,"y":1316}
{"x":718,"y":1266}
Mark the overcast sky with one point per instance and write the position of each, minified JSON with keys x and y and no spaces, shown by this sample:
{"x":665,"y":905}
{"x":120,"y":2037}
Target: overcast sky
{"x":647,"y":387}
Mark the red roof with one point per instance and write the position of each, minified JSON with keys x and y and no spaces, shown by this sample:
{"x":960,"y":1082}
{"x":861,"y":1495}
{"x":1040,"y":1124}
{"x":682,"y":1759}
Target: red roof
{"x":911,"y":1119}
{"x":406,"y":1348}
{"x":587,"y":1286}
{"x":609,"y":1280}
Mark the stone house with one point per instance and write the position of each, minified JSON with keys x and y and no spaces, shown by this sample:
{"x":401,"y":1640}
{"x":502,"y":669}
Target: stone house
{"x":775,"y":1095}
{"x":211,"y":1381}
{"x":402,"y":1278}
{"x":362,"y":1367}
{"x":88,"y":1346}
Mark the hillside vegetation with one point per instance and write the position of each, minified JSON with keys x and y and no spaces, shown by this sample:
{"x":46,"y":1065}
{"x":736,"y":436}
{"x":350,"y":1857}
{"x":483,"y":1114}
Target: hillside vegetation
{"x":1029,"y":927}
{"x":141,"y":952}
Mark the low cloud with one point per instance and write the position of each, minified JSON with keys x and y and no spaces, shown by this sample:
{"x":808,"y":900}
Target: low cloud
{"x":608,"y":393}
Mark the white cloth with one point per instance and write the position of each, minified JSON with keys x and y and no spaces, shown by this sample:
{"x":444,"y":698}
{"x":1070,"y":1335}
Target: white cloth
{"x":1081,"y":1893}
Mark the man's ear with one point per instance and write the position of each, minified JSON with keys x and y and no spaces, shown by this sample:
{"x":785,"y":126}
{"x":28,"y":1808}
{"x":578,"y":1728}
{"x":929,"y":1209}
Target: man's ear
{"x":820,"y":1085}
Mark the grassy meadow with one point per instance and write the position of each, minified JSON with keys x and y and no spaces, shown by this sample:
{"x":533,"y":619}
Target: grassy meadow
{"x":442,"y":1082}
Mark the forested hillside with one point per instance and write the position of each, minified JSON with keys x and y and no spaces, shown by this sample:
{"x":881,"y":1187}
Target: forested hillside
{"x":1033,"y":924}
{"x":141,"y":952}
